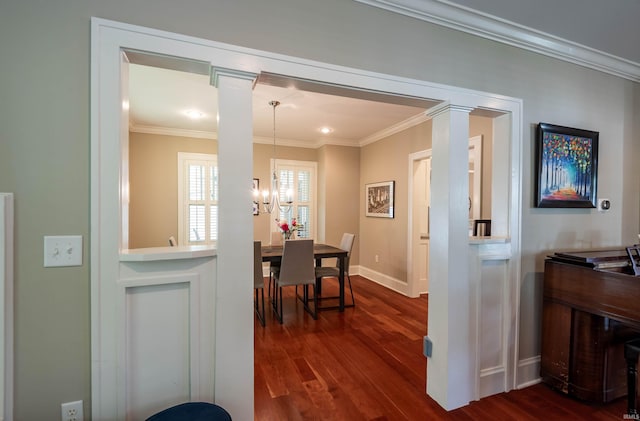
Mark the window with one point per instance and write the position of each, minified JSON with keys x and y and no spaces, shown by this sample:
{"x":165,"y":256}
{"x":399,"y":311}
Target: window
{"x":298,"y":177}
{"x":197,"y":198}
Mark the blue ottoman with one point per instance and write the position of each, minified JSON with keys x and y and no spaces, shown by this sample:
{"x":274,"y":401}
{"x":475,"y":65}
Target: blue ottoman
{"x":192,"y":411}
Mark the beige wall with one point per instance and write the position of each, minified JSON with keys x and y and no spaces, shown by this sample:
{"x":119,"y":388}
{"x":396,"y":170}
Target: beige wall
{"x":386,"y":160}
{"x":45,"y":131}
{"x":153,"y":209}
{"x":483,"y":126}
{"x":340,"y":167}
{"x":153,"y":184}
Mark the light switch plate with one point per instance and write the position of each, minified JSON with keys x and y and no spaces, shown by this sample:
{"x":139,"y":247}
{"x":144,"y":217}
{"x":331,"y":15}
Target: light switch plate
{"x":62,"y":250}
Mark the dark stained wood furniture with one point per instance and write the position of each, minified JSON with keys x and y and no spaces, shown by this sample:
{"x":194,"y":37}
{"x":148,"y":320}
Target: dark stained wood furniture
{"x":631,"y":354}
{"x":591,"y":307}
{"x":273,"y":254}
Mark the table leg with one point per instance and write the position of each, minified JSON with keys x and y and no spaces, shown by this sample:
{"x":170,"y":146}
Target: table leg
{"x":319,"y":280}
{"x":341,"y":280}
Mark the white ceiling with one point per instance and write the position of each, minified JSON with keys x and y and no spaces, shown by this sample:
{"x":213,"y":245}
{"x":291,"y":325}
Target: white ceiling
{"x":159,"y":96}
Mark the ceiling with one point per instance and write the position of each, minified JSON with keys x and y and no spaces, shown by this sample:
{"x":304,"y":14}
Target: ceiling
{"x":159,"y":97}
{"x":160,"y":94}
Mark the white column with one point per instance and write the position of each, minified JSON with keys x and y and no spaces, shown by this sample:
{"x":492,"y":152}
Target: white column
{"x":234,"y":305}
{"x":450,"y":376}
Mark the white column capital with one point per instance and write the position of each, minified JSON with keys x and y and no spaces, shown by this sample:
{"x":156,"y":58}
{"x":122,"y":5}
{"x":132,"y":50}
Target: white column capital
{"x":216,"y":72}
{"x":447,"y":107}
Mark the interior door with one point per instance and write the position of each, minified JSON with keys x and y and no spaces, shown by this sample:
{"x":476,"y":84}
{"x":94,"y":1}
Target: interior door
{"x":420,"y":234}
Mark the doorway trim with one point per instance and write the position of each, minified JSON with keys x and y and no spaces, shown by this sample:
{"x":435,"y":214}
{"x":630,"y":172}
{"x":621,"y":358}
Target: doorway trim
{"x":413,"y":289}
{"x":108,"y":40}
{"x":6,"y":300}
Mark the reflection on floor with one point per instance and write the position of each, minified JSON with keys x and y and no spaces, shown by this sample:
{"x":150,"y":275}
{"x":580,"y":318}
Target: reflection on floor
{"x":367,"y":364}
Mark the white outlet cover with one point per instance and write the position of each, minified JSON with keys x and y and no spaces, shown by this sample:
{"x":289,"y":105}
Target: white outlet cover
{"x":62,"y":250}
{"x":72,"y":411}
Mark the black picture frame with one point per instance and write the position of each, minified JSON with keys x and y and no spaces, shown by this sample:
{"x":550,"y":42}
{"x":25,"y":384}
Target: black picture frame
{"x":566,"y":166}
{"x":379,"y":199}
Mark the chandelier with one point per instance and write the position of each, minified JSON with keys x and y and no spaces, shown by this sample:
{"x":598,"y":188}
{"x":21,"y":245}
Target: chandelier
{"x":271,"y":199}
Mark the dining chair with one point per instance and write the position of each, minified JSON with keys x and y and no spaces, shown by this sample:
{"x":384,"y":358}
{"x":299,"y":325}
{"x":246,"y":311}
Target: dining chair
{"x":482,"y":227}
{"x":296,"y":269}
{"x":258,"y":281}
{"x":334,"y":271}
{"x":274,"y":267}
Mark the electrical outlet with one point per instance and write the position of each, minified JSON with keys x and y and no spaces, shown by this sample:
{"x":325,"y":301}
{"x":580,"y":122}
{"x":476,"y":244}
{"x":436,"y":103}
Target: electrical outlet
{"x":377,"y":259}
{"x":72,"y":411}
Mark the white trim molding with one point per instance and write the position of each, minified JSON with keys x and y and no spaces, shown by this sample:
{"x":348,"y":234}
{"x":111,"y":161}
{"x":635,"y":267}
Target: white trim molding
{"x":232,"y":328}
{"x":6,"y":298}
{"x":460,"y":18}
{"x":528,"y":372}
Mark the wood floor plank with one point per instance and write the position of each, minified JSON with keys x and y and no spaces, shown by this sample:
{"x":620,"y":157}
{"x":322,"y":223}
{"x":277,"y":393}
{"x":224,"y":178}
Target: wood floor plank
{"x":367,"y":364}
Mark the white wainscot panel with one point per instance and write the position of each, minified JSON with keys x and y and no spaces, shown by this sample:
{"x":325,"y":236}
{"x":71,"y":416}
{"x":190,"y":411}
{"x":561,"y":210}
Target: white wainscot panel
{"x":493,"y":302}
{"x":167,"y":320}
{"x":490,"y":303}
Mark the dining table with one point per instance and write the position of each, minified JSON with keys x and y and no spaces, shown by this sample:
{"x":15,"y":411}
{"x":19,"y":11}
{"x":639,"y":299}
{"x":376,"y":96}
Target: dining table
{"x":273,"y":254}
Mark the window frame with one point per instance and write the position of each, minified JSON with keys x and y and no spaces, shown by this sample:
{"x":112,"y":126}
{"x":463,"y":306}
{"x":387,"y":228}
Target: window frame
{"x":210,"y":160}
{"x":312,"y":166}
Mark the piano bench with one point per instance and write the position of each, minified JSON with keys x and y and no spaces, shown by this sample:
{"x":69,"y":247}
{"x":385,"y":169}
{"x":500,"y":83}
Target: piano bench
{"x":631,"y":354}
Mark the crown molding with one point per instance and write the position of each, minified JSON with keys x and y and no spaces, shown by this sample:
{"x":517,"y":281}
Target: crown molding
{"x":389,"y":131}
{"x":168,"y":131}
{"x":453,"y":16}
{"x":396,"y":128}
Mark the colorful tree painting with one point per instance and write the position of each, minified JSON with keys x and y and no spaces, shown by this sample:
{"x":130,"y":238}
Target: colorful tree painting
{"x":567,"y":167}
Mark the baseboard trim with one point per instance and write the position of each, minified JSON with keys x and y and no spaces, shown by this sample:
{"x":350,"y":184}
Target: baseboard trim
{"x":492,"y":381}
{"x":528,"y":372}
{"x":394,"y":284}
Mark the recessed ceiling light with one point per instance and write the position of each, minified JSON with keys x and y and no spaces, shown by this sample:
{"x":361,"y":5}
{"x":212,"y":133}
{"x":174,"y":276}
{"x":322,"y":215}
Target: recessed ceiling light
{"x":326,"y":130}
{"x":194,"y":114}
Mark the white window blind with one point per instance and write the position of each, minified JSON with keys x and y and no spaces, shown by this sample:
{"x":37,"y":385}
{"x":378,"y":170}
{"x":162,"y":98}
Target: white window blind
{"x":197,"y":198}
{"x":298,"y":177}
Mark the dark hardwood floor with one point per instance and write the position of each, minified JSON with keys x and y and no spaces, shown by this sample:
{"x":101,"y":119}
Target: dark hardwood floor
{"x":367,"y":364}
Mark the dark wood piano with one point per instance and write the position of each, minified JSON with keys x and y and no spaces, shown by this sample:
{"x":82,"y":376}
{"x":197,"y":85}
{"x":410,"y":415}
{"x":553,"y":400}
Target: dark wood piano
{"x":591,"y":306}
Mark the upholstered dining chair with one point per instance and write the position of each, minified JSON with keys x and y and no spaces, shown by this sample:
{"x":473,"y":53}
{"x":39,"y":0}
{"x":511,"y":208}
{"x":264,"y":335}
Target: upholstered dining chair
{"x":274,"y":267}
{"x":258,"y":281}
{"x":296,"y":269}
{"x":334,"y":271}
{"x":482,"y":227}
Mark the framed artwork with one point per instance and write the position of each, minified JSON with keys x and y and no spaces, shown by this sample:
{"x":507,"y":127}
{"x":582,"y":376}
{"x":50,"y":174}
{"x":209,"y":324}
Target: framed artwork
{"x":380,"y":199}
{"x":567,"y":167}
{"x":256,"y":190}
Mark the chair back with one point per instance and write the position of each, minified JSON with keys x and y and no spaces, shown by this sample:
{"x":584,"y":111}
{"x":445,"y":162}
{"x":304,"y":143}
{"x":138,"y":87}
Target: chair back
{"x":482,"y":227}
{"x":258,"y":280}
{"x":297,"y":267}
{"x":346,"y":244}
